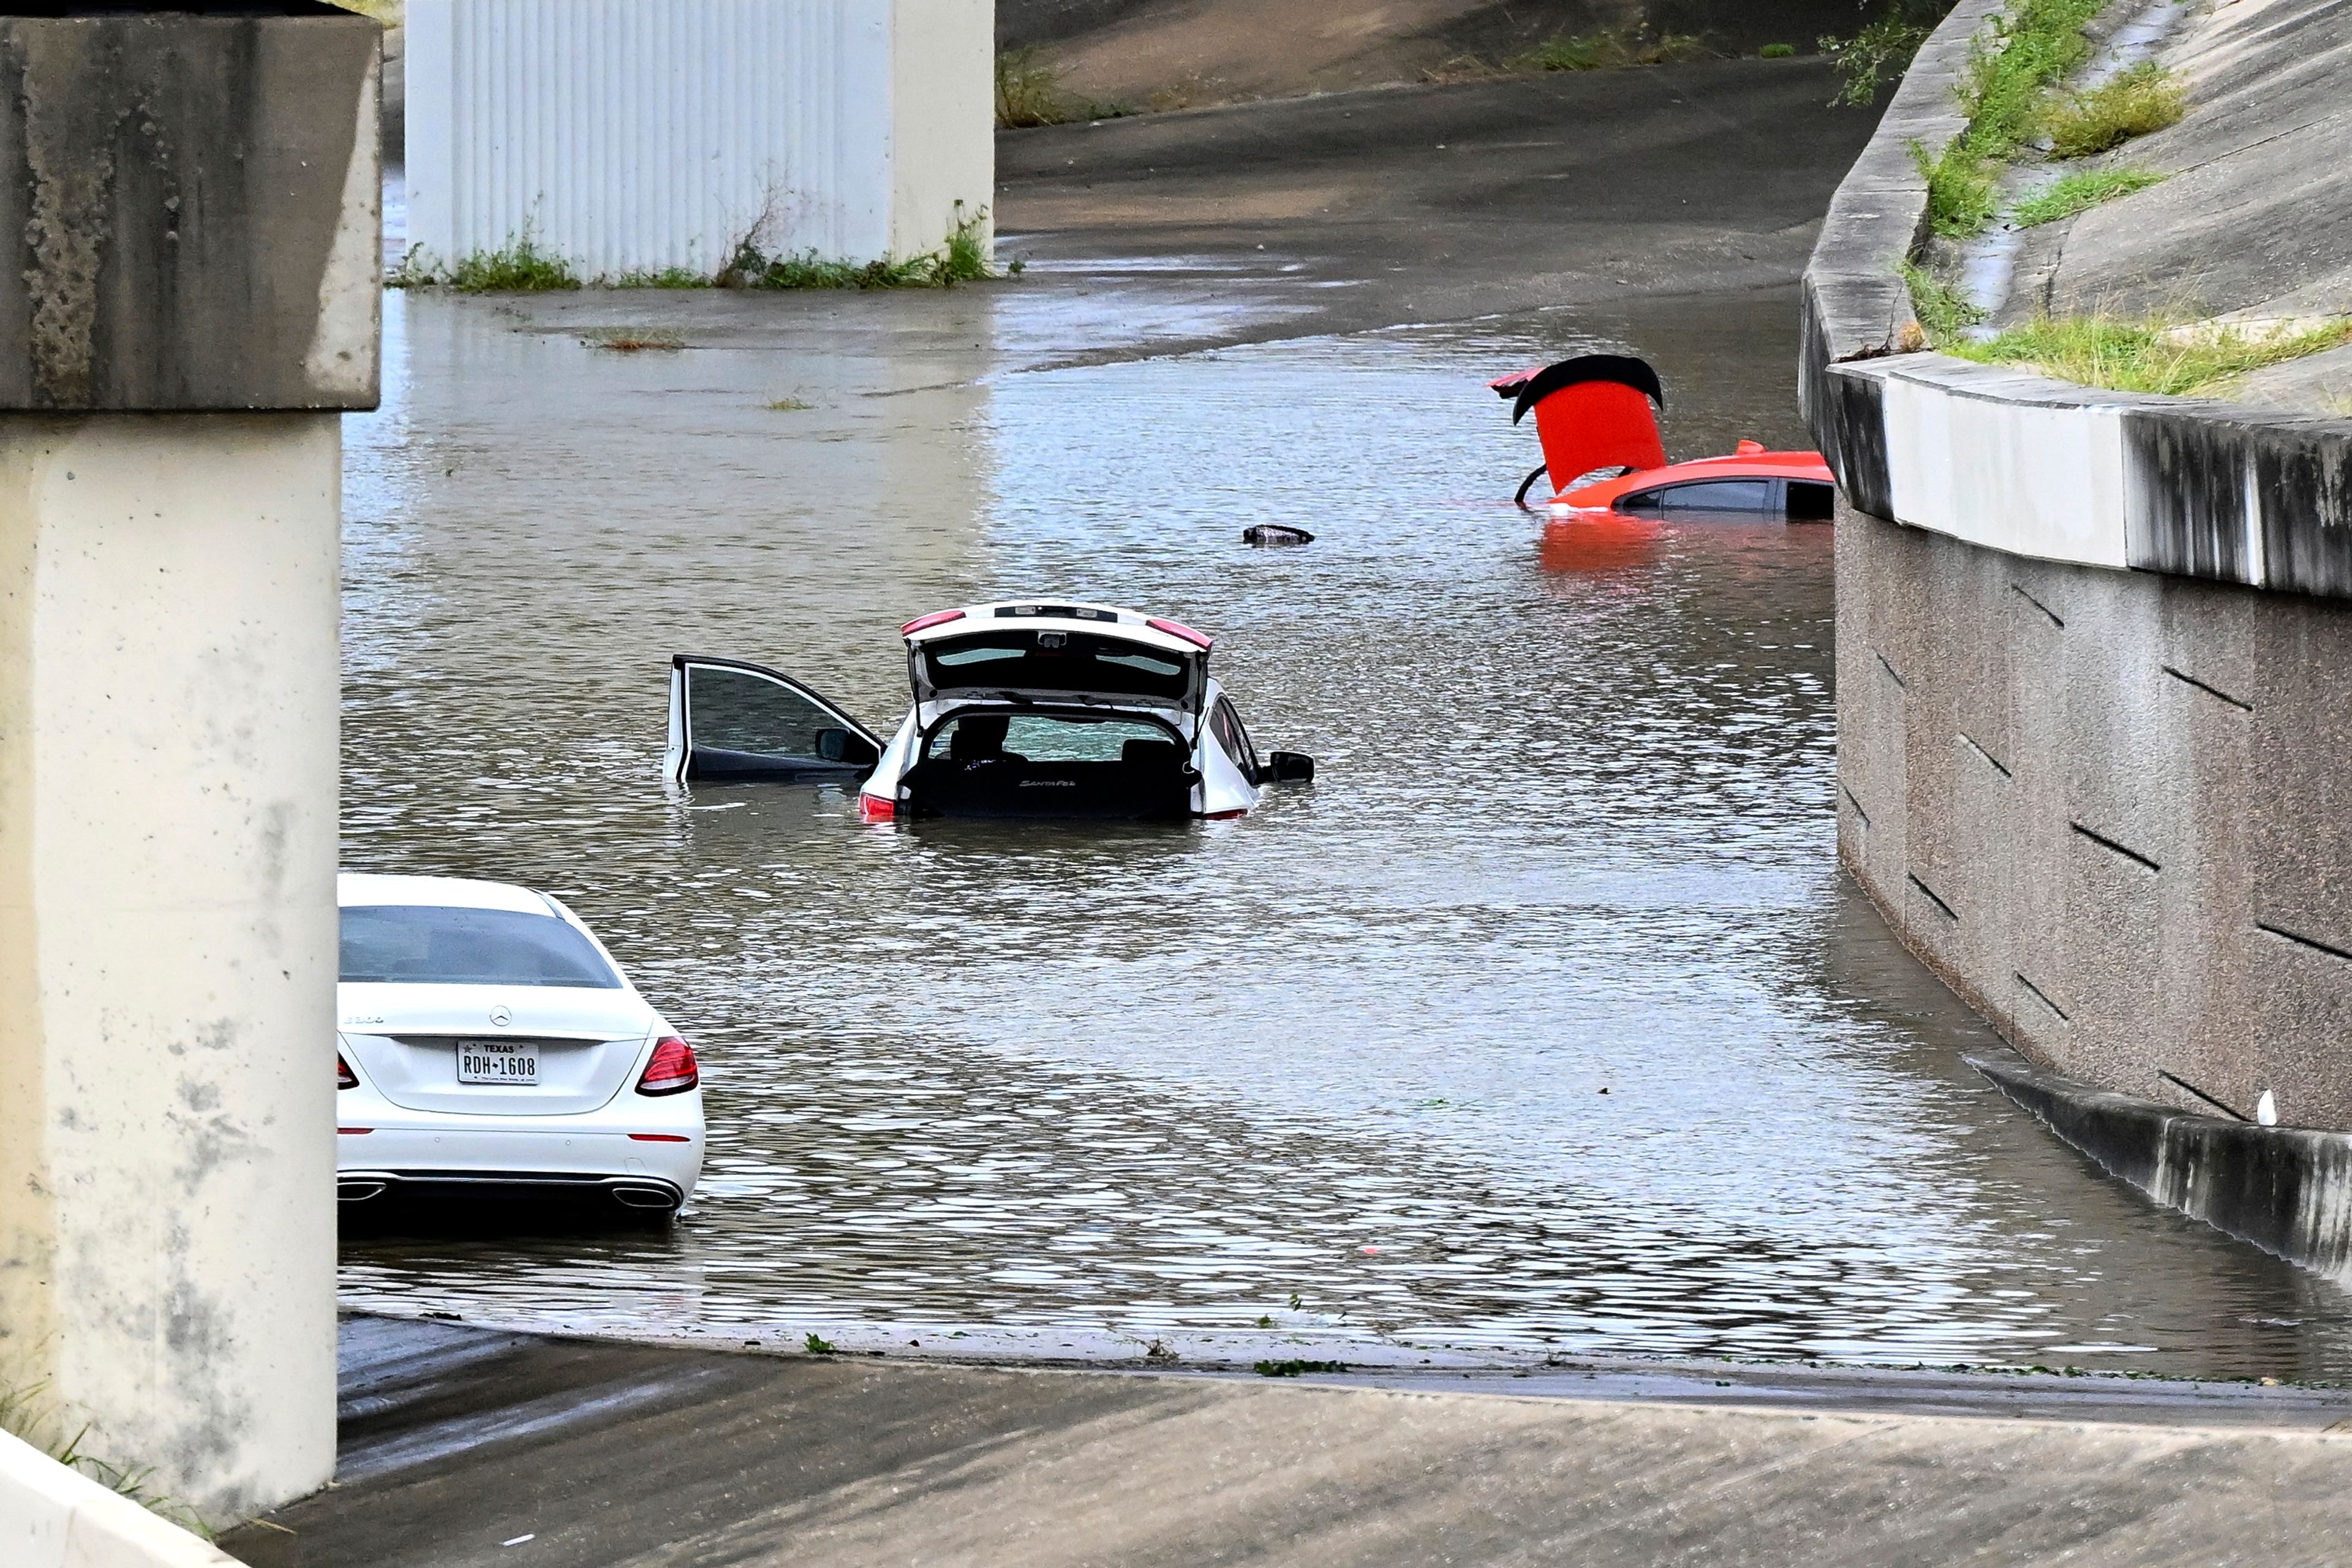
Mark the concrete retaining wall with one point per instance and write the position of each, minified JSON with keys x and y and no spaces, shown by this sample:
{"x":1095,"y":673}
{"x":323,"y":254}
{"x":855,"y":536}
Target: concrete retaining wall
{"x":2111,"y":809}
{"x":52,"y":1517}
{"x":2093,"y":754}
{"x":2287,"y":1190}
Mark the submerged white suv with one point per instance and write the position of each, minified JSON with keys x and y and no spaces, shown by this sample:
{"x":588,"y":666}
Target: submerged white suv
{"x":487,"y":1046}
{"x":1021,"y":709}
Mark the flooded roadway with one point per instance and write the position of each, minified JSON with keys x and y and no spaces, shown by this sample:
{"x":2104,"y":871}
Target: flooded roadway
{"x":1543,"y":1020}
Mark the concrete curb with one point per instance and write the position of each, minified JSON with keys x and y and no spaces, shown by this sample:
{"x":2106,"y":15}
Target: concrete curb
{"x":52,"y":1517}
{"x":2187,"y":487}
{"x":2287,"y":1190}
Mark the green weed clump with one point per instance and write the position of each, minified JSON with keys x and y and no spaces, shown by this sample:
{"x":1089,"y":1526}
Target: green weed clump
{"x":1776,"y":52}
{"x":1879,"y":53}
{"x":2131,"y":103}
{"x":520,"y":267}
{"x":1029,"y":92}
{"x":1610,"y":49}
{"x":1960,"y":188}
{"x":661,"y":278}
{"x":2080,"y":192}
{"x":1943,"y":310}
{"x":962,"y":258}
{"x":2150,"y":355}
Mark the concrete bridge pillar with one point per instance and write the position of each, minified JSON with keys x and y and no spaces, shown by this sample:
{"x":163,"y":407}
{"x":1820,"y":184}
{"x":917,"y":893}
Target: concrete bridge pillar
{"x":189,"y":300}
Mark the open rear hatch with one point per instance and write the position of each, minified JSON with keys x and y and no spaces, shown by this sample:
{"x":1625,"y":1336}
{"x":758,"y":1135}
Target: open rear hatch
{"x":1027,"y":720}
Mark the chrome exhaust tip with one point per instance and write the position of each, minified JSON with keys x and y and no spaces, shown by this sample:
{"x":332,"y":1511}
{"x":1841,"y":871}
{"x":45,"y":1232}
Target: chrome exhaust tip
{"x":357,"y":1191}
{"x":645,"y":1197}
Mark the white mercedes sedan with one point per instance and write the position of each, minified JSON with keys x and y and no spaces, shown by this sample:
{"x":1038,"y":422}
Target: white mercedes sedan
{"x":487,"y":1047}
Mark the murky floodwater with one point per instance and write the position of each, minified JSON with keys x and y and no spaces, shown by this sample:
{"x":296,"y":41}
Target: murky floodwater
{"x":1548,"y":990}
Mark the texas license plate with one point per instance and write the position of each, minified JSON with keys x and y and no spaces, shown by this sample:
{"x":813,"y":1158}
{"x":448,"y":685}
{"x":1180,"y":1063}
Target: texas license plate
{"x":497,"y":1061}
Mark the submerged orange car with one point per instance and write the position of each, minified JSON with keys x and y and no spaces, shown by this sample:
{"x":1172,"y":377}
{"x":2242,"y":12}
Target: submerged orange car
{"x":1601,"y":448}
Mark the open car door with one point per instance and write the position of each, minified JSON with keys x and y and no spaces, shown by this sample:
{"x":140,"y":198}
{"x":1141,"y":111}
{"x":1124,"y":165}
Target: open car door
{"x":730,"y":720}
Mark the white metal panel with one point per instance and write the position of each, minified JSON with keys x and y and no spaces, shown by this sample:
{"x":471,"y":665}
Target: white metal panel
{"x":626,"y":134}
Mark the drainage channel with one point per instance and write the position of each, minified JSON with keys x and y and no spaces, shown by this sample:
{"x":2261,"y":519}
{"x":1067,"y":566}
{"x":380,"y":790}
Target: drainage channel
{"x":1542,"y":1023}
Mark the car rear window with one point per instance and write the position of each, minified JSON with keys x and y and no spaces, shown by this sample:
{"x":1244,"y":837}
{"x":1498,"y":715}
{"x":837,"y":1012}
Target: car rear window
{"x":431,"y":944}
{"x":1051,"y":660}
{"x":994,"y":735}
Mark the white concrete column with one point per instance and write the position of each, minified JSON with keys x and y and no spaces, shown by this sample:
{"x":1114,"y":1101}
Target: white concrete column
{"x":197,"y":303}
{"x":942,"y":120}
{"x":168,"y":695}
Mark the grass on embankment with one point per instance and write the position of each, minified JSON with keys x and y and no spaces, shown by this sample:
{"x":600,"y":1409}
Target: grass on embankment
{"x":1943,"y":310}
{"x":2144,"y":355}
{"x":2009,"y":73}
{"x":1029,"y":92}
{"x":2078,"y":193}
{"x":1626,"y":47}
{"x":1607,"y":49}
{"x":2131,"y":103}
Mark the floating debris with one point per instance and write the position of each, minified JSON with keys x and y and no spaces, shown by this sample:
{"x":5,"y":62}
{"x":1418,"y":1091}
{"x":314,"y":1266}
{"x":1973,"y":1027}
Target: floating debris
{"x":1276,"y":533}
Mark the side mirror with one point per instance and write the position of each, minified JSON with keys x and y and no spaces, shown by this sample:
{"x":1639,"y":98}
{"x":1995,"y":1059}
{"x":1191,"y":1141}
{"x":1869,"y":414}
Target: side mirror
{"x":841,"y":746}
{"x":1287,"y":767}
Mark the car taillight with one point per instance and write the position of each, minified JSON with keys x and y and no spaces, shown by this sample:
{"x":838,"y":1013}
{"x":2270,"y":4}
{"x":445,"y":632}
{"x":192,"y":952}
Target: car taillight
{"x":936,"y":619}
{"x":876,"y":809}
{"x":1179,"y":629}
{"x":672,"y":1070}
{"x":344,"y":1076}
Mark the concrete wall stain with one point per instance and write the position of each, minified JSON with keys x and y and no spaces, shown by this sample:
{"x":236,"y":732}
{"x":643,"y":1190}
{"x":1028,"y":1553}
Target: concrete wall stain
{"x":181,"y":184}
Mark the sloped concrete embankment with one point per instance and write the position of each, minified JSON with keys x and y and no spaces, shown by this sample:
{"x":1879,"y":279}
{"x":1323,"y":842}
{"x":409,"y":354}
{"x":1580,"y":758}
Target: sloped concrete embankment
{"x":2093,"y":757}
{"x":465,"y":1446}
